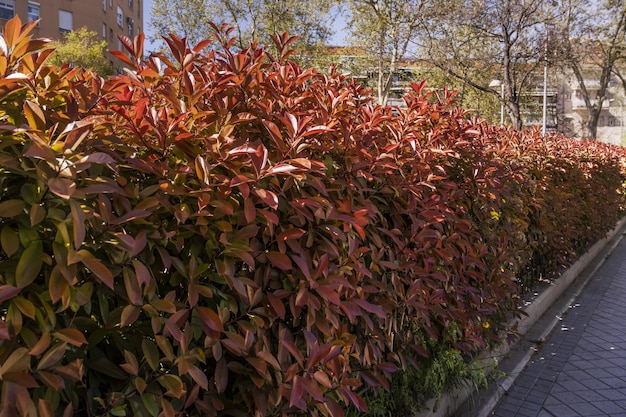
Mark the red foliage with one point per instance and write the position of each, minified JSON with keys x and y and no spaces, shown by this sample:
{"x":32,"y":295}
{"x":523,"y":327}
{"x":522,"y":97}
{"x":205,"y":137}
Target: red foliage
{"x":225,"y":232}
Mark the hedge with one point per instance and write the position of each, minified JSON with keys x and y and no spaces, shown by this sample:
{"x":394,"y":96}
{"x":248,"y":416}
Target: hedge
{"x":219,"y":231}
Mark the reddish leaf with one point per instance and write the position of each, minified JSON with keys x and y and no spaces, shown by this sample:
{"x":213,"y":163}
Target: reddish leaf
{"x":4,"y":331}
{"x":369,"y":307}
{"x":221,"y":375}
{"x":334,"y":408}
{"x":209,"y":318}
{"x":102,"y":272}
{"x":290,"y":234}
{"x":270,"y":359}
{"x":304,"y":264}
{"x":21,"y":378}
{"x":130,"y":314}
{"x":322,"y":377}
{"x":275,"y":134}
{"x":41,"y":346}
{"x":277,"y":305}
{"x":7,"y":292}
{"x":199,"y":376}
{"x":313,"y":389}
{"x":249,"y":210}
{"x":62,"y":187}
{"x":328,"y":294}
{"x":143,"y":273}
{"x":52,"y":357}
{"x":279,"y":260}
{"x":296,"y":398}
{"x":11,"y":208}
{"x":268,"y":197}
{"x":72,"y":336}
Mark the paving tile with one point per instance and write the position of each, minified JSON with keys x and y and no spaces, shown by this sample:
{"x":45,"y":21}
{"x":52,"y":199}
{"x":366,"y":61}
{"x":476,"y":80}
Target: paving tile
{"x":608,"y":407}
{"x":581,"y":368}
{"x":571,"y":385}
{"x":597,"y":384}
{"x":569,"y":397}
{"x":586,"y":409}
{"x":561,"y":411}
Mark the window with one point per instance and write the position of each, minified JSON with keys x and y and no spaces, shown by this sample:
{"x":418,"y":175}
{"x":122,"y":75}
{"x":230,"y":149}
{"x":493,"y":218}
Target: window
{"x":7,"y":9}
{"x":131,"y":32}
{"x":120,"y":17}
{"x":138,"y":8}
{"x":33,"y":11}
{"x":104,"y":5}
{"x":130,"y":4}
{"x":111,"y":3}
{"x":65,"y":21}
{"x":104,"y":31}
{"x":110,"y":34}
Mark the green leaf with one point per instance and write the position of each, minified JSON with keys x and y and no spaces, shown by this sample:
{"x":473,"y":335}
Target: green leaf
{"x":26,"y":307}
{"x":151,"y":353}
{"x":29,"y":265}
{"x":151,"y":404}
{"x":10,"y":240}
{"x":173,"y":384}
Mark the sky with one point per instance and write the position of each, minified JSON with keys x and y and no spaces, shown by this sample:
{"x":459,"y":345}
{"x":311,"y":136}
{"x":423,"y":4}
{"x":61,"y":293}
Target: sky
{"x":338,"y":39}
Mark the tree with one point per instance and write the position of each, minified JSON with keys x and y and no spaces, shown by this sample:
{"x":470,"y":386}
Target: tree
{"x":184,"y":18}
{"x":253,"y":20}
{"x":82,"y":48}
{"x":387,"y":28}
{"x":592,"y":39}
{"x":480,"y":40}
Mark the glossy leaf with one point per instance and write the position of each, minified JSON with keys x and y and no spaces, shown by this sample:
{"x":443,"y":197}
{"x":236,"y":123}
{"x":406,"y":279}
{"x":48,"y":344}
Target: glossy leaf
{"x":29,"y":265}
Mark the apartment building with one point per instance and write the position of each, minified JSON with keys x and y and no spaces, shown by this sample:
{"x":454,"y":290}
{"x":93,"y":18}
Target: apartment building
{"x":109,"y":18}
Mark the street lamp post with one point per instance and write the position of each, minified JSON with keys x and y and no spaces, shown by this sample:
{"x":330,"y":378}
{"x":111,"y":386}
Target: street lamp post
{"x":498,"y":83}
{"x":545,"y":93}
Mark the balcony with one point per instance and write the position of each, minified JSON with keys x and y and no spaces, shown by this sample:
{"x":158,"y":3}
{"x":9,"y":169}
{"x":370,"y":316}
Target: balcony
{"x":579,"y":103}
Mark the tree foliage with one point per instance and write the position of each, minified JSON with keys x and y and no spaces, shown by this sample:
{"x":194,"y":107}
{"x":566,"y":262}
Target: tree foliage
{"x":592,"y":37}
{"x":254,"y":21}
{"x":387,"y":30}
{"x":478,"y":41}
{"x":82,"y":48}
{"x":184,"y":18}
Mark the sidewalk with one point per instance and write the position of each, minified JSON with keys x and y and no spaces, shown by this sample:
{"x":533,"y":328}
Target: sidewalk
{"x":581,"y":368}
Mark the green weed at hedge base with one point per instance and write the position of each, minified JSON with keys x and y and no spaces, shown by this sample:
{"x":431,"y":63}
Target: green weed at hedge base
{"x":223,"y":232}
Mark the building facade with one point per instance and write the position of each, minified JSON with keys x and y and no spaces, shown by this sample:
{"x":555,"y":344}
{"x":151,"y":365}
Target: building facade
{"x":109,"y":18}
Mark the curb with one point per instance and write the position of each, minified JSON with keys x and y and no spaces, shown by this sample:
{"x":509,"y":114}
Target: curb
{"x":533,"y":329}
